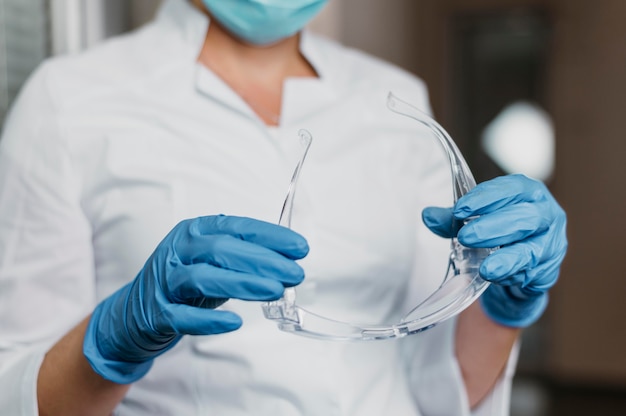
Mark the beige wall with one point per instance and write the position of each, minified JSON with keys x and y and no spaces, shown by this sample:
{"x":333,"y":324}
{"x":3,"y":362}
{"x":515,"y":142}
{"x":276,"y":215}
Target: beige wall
{"x":589,"y":106}
{"x":142,"y":11}
{"x":384,"y":28}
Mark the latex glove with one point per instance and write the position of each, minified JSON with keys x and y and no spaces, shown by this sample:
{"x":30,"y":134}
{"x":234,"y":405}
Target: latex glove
{"x":198,"y":265}
{"x":521,"y":216}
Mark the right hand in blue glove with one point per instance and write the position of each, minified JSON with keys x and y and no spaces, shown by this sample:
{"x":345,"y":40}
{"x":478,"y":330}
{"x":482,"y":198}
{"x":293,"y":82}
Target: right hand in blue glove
{"x":198,"y":264}
{"x":521,"y":216}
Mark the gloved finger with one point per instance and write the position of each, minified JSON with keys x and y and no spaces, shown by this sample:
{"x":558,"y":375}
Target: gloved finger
{"x":496,"y":193}
{"x":187,"y":283}
{"x":506,"y":226}
{"x":531,"y":282}
{"x":208,"y":303}
{"x":184,"y":319}
{"x":530,"y":264}
{"x":541,"y":278}
{"x":275,"y":237}
{"x":229,"y":252}
{"x":440,"y":221}
{"x":508,"y":265}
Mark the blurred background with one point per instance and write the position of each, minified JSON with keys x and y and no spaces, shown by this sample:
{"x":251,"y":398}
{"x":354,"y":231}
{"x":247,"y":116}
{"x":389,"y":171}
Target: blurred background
{"x":532,"y":86}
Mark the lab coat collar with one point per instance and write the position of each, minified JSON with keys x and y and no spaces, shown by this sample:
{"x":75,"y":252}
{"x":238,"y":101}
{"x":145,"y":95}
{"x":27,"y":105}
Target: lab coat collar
{"x":319,"y":92}
{"x":192,"y":25}
{"x":302,"y":97}
{"x":187,"y":21}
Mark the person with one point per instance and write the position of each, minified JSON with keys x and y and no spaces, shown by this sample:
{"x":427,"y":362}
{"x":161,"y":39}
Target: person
{"x":116,"y":167}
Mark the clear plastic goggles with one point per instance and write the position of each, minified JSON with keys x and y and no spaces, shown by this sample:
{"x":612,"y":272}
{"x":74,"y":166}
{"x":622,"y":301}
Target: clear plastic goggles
{"x":460,"y":286}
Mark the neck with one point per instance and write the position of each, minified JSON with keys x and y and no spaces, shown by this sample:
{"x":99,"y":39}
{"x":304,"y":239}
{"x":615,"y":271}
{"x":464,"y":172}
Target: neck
{"x":256,"y":73}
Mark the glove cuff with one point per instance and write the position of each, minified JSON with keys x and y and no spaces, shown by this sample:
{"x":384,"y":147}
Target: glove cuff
{"x":119,"y":372}
{"x":508,"y":307}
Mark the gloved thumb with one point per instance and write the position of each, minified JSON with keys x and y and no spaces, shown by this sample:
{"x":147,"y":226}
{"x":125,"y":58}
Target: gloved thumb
{"x":441,"y":221}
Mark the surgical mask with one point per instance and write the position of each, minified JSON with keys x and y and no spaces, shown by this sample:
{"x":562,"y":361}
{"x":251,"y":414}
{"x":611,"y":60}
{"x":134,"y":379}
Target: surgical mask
{"x":263,"y":22}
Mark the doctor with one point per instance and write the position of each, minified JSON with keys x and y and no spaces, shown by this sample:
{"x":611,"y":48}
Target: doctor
{"x":115,"y":161}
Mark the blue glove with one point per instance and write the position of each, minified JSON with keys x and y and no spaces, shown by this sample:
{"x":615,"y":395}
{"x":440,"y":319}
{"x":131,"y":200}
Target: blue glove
{"x":521,"y":216}
{"x":198,"y":265}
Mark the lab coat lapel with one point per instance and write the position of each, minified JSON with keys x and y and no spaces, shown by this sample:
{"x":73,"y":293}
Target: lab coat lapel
{"x":213,"y":87}
{"x":303,"y":97}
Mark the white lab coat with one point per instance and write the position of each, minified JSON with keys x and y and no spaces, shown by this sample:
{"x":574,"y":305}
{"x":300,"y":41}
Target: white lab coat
{"x":105,"y":152}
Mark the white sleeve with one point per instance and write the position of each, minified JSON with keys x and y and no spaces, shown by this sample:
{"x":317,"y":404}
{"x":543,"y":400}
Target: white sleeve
{"x":437,"y":382}
{"x":498,"y":402}
{"x":18,"y":381}
{"x":46,"y":260}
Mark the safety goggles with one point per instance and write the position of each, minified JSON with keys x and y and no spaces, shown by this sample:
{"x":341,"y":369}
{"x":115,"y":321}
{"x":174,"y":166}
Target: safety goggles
{"x":460,"y":286}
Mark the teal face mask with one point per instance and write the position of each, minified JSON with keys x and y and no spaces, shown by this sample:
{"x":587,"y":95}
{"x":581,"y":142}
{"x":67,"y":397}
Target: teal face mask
{"x":263,"y":22}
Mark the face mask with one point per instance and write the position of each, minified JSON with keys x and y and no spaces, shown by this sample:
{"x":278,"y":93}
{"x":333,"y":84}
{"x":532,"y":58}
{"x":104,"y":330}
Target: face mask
{"x":263,"y":22}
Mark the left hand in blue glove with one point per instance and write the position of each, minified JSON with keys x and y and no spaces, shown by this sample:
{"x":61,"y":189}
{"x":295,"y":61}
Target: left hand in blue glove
{"x":519,"y":215}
